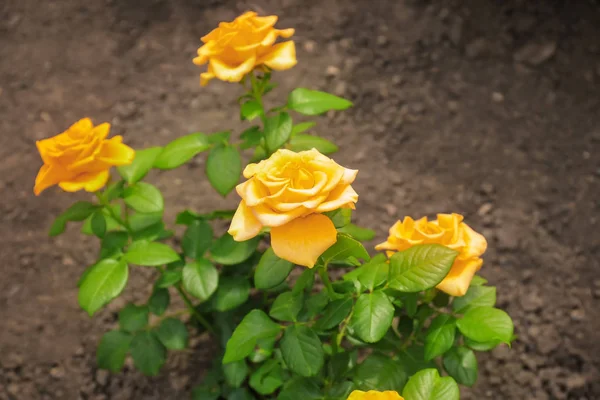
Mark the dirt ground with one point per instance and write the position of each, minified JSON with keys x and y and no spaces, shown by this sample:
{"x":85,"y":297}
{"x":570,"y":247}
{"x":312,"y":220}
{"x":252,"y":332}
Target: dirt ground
{"x":488,"y":108}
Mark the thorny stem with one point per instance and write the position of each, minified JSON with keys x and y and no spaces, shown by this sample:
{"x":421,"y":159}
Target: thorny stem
{"x":325,"y":278}
{"x":344,"y":324}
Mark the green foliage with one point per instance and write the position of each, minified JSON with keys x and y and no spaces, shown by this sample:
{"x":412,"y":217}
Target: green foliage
{"x":141,"y":165}
{"x":101,"y":284}
{"x":388,"y":311}
{"x":77,"y":212}
{"x":181,"y":150}
{"x":223,"y":168}
{"x":314,"y":102}
{"x":428,"y":385}
{"x":420,"y":267}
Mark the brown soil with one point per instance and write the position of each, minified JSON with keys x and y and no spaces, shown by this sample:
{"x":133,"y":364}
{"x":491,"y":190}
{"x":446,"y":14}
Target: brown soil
{"x":482,"y":107}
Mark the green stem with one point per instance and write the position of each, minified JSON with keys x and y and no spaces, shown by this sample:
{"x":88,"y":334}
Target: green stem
{"x":193,"y":310}
{"x":342,"y":332}
{"x":112,"y":213}
{"x":325,"y":278}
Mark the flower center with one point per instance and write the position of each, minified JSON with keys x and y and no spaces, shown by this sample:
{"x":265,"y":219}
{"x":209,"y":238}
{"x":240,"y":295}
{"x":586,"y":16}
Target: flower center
{"x":302,"y":179}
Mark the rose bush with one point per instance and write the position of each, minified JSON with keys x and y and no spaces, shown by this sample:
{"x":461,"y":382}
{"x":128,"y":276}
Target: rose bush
{"x":403,"y":324}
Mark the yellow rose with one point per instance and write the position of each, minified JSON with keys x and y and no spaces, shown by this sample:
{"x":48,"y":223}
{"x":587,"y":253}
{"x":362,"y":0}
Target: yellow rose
{"x":450,"y":231}
{"x":374,"y":395}
{"x":287,"y":193}
{"x":235,"y":48}
{"x":80,"y":158}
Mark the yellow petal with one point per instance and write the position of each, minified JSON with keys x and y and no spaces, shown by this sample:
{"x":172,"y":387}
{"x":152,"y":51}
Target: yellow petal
{"x":281,"y":57}
{"x":244,"y":224}
{"x":231,"y":73}
{"x":48,"y":175}
{"x":252,"y":192}
{"x":101,"y":131}
{"x":457,"y":282}
{"x":114,"y":152}
{"x":338,"y":197}
{"x":271,"y":218}
{"x":374,"y":395}
{"x":80,"y":128}
{"x":475,"y":243}
{"x":91,"y":182}
{"x":303,"y":240}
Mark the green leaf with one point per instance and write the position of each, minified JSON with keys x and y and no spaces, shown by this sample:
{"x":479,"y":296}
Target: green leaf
{"x":476,"y":296}
{"x":200,"y":279}
{"x":440,"y":336}
{"x":259,"y":154}
{"x":334,"y":314}
{"x":114,"y":190}
{"x":427,"y":385}
{"x":105,"y":281}
{"x":372,"y":317}
{"x":202,"y":392}
{"x":420,"y":267}
{"x":255,"y":325}
{"x":111,"y":224}
{"x":413,"y":358}
{"x":305,"y":281}
{"x":481,"y":346}
{"x":240,"y":394}
{"x":302,"y":127}
{"x":461,"y":364}
{"x":287,"y":306}
{"x":98,"y":224}
{"x":251,"y":110}
{"x":268,"y":378}
{"x":77,"y":212}
{"x":113,"y":243}
{"x":197,"y":239}
{"x":340,"y":391}
{"x":358,"y":233}
{"x":251,"y":137}
{"x":142,"y":163}
{"x":379,"y":372}
{"x":112,"y":350}
{"x":313,"y":305}
{"x":232,"y":292}
{"x":263,"y":350}
{"x":271,"y":270}
{"x":235,"y":373}
{"x":173,"y":334}
{"x":478,"y":281}
{"x":374,"y":275}
{"x":159,"y":301}
{"x":314,"y":102}
{"x":344,"y":247}
{"x":181,"y":150}
{"x":145,"y":198}
{"x":277,"y":131}
{"x":486,"y":324}
{"x":219,"y":137}
{"x":133,"y":318}
{"x":340,"y":217}
{"x":150,"y":254}
{"x":148,"y":353}
{"x":227,"y":251}
{"x":340,"y":364}
{"x":302,"y":351}
{"x":223,"y":168}
{"x":308,"y":142}
{"x":168,"y":278}
{"x":301,"y":389}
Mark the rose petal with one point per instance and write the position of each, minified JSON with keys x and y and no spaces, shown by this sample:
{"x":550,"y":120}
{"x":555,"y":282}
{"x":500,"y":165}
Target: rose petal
{"x":114,"y":152}
{"x":338,"y":197}
{"x":282,"y":56}
{"x":49,"y":175}
{"x":230,"y":73}
{"x":244,"y":224}
{"x":303,"y":240}
{"x":271,"y":218}
{"x":475,"y":243}
{"x":91,"y":182}
{"x":457,"y":282}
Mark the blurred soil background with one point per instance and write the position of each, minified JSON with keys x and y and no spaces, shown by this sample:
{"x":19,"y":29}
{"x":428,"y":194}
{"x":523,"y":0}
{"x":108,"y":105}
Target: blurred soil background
{"x":487,"y":108}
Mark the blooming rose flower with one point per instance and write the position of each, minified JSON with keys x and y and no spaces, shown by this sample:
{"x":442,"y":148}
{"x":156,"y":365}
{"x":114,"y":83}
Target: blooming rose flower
{"x":235,"y":48}
{"x":374,"y":395}
{"x":447,"y":230}
{"x":287,"y":193}
{"x":80,"y":158}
